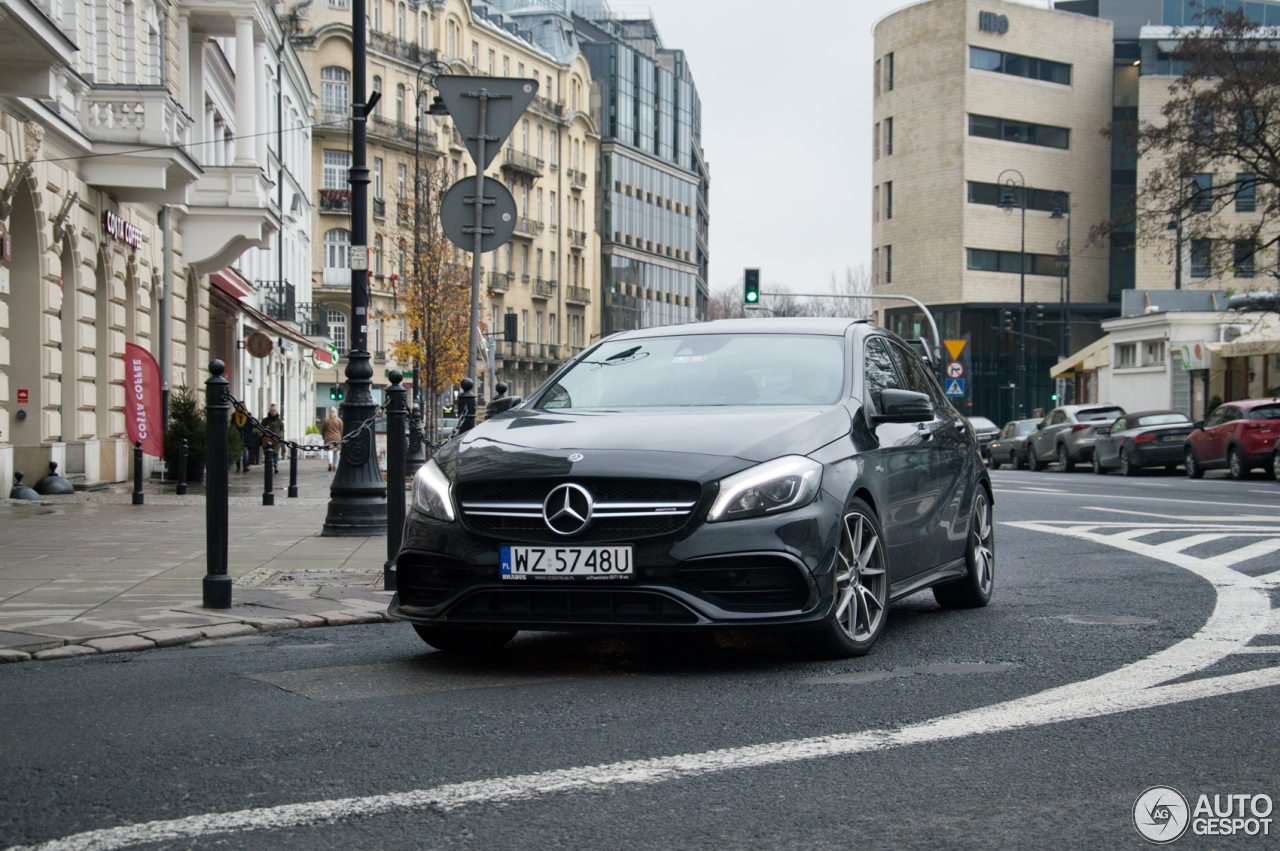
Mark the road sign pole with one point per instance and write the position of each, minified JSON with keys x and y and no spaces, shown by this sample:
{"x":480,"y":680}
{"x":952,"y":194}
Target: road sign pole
{"x":473,"y":342}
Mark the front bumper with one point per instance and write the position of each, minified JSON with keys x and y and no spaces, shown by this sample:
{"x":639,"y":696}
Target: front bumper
{"x":762,"y":571}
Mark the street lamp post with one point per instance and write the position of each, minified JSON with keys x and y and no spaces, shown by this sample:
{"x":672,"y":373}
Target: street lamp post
{"x":1062,"y":210}
{"x":357,"y":495}
{"x":1008,"y":203}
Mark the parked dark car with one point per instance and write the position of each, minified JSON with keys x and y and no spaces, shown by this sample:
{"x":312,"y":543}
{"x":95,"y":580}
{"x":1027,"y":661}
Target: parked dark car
{"x":1143,"y":439}
{"x":1240,"y":436}
{"x":1067,"y":435}
{"x":1011,"y":445}
{"x":795,"y":473}
{"x":986,"y":431}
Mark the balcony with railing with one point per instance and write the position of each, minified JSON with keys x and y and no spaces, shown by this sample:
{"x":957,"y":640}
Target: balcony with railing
{"x":313,"y":318}
{"x":500,"y":281}
{"x":577,"y":179}
{"x":380,"y":207}
{"x":577,"y":295}
{"x":333,"y":117}
{"x":522,"y":161}
{"x":528,"y":351}
{"x":549,"y":106}
{"x":392,"y":46}
{"x":398,"y":131}
{"x":527,"y":227}
{"x":277,"y":300}
{"x":543,"y":288}
{"x":335,"y":201}
{"x":578,"y":239}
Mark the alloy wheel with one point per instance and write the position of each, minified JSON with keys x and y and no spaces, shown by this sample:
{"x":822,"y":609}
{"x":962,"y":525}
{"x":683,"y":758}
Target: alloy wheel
{"x":1192,"y":465}
{"x":1126,"y":463}
{"x":982,"y":535}
{"x":1064,"y":460}
{"x":1238,"y":466}
{"x":1275,"y":465}
{"x":862,"y":587}
{"x":1098,"y":469}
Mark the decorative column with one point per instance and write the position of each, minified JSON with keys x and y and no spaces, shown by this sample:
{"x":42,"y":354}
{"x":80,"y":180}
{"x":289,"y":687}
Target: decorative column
{"x":262,"y":91}
{"x":246,"y":109}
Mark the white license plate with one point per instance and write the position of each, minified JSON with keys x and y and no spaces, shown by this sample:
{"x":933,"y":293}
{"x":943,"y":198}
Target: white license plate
{"x":567,"y":563}
{"x":1171,"y":438}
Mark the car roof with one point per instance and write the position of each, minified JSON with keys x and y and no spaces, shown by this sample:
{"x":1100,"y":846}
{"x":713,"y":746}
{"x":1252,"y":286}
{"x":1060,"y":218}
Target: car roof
{"x":1133,"y":414}
{"x":827,"y":326}
{"x":1252,"y":403}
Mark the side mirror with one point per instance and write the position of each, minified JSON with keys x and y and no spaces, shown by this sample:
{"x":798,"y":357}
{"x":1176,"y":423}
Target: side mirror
{"x":1198,"y":424}
{"x":1040,"y":426}
{"x":502,"y":403}
{"x":904,"y":406}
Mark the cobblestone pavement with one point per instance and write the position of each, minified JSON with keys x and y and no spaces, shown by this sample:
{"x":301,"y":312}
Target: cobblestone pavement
{"x":92,"y":573}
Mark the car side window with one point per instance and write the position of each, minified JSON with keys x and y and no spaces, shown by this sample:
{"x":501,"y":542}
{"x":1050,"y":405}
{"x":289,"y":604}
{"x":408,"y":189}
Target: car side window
{"x":1007,"y":431}
{"x":1217,"y":418}
{"x":1231,"y":415}
{"x":879,"y":372}
{"x":917,"y":379}
{"x":1058,"y":418}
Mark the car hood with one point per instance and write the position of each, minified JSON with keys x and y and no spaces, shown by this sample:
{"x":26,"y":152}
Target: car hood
{"x":697,"y":444}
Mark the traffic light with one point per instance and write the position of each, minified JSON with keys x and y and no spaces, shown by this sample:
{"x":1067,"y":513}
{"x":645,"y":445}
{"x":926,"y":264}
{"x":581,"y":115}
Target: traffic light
{"x":335,"y":393}
{"x":1054,"y":398}
{"x":752,"y":293}
{"x":509,"y":328}
{"x":1008,"y":321}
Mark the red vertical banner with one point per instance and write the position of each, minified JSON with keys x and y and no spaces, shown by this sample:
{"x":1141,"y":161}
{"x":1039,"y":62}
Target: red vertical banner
{"x":142,"y":399}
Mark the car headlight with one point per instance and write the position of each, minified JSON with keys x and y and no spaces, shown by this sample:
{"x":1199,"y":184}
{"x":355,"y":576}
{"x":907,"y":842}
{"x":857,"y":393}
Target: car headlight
{"x":778,"y":485}
{"x":431,"y":492}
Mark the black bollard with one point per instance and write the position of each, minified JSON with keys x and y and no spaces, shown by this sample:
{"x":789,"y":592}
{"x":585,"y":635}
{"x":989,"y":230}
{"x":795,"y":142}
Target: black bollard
{"x":138,"y":497}
{"x":397,"y":409}
{"x":182,"y":468}
{"x":268,"y":462}
{"x":217,"y":584}
{"x":293,"y":472}
{"x":466,"y":405}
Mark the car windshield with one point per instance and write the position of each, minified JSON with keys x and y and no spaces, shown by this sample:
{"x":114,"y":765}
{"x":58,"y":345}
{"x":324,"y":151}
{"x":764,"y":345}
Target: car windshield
{"x":1162,"y":419}
{"x":983,"y":423}
{"x":1265,"y":412}
{"x":703,"y":370}
{"x":1027,"y":426}
{"x":1092,"y":415}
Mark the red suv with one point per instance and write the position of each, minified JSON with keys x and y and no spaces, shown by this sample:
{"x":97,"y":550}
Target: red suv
{"x":1238,"y":435}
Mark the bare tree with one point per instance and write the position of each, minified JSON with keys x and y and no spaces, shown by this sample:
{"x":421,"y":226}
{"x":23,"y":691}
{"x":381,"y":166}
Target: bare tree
{"x":856,"y":281}
{"x":1218,"y":148}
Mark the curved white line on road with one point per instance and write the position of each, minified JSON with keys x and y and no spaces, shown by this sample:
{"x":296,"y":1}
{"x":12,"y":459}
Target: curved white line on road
{"x":1242,"y":611}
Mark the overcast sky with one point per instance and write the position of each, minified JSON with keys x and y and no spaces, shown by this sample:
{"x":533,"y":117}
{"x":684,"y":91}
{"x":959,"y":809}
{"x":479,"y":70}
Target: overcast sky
{"x":785,"y":88}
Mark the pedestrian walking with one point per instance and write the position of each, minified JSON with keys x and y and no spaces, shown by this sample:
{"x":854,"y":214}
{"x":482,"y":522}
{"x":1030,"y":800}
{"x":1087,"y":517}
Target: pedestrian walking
{"x":270,"y":445}
{"x":330,"y":433}
{"x":248,"y":439}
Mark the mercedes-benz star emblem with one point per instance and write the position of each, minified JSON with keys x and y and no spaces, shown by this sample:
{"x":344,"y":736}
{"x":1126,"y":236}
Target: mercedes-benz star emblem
{"x":575,"y":457}
{"x":567,"y":509}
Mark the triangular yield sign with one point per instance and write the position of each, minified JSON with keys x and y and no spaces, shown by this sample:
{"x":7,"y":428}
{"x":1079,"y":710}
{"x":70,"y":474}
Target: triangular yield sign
{"x":955,"y":347}
{"x":508,"y":99}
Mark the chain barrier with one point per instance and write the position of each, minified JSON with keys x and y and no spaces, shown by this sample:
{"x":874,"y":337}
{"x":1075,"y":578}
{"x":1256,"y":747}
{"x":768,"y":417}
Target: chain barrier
{"x":240,"y":408}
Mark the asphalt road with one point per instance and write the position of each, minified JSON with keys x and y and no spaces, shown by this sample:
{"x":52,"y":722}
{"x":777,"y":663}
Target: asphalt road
{"x":1120,"y":652}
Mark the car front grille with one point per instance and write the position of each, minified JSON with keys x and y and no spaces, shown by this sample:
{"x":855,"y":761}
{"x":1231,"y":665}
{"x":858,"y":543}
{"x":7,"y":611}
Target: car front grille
{"x":624,"y":509}
{"x":578,"y":605}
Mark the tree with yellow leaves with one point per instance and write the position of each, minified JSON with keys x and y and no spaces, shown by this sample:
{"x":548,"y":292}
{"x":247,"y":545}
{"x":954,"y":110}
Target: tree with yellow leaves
{"x":433,"y":293}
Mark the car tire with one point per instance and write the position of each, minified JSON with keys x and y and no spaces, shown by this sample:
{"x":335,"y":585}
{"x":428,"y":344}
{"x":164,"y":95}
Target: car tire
{"x":1191,"y":464}
{"x":1237,"y":463}
{"x":1127,"y":466}
{"x":1275,"y":464}
{"x":1065,"y":464}
{"x":472,"y":642}
{"x":973,"y":590}
{"x":1098,"y":469}
{"x":1034,"y":462}
{"x":861,"y":590}
{"x":993,"y":463}
{"x":1019,"y":461}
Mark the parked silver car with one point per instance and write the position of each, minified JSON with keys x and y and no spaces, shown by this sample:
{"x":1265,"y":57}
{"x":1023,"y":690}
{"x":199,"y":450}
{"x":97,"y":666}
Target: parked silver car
{"x":986,"y":431}
{"x":1067,"y":435}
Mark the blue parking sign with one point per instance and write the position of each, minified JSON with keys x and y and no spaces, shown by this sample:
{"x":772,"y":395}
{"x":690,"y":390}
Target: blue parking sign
{"x":955,"y":386}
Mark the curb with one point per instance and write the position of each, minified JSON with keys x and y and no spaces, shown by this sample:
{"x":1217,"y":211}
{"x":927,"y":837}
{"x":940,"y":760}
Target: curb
{"x":175,"y":637}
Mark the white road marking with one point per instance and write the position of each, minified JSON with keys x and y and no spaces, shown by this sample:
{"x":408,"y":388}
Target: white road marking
{"x":1197,"y":502}
{"x":1254,"y":550}
{"x":1242,"y":611}
{"x":1262,"y":648}
{"x":1188,"y":542}
{"x":1198,"y":518}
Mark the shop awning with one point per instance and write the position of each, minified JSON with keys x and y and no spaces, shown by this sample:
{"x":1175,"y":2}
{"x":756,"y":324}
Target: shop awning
{"x":1092,"y":356}
{"x":231,"y":283}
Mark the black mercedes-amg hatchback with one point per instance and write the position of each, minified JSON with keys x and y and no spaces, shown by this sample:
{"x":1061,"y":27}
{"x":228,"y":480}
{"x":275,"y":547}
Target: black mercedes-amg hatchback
{"x":792,"y":473}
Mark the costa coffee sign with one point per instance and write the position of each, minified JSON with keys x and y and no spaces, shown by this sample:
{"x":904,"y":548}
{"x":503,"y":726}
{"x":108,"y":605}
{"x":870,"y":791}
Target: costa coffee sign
{"x":121,"y":230}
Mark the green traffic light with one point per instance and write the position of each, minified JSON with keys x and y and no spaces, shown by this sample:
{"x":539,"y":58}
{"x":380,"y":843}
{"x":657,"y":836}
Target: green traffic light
{"x":1054,"y":397}
{"x":753,"y":296}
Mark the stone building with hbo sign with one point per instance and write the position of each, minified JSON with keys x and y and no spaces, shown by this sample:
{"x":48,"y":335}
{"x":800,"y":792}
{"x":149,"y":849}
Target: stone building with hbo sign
{"x":146,"y":199}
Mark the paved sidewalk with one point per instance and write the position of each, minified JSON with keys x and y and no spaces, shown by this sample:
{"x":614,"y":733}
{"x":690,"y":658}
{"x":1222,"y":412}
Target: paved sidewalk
{"x":92,"y":573}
